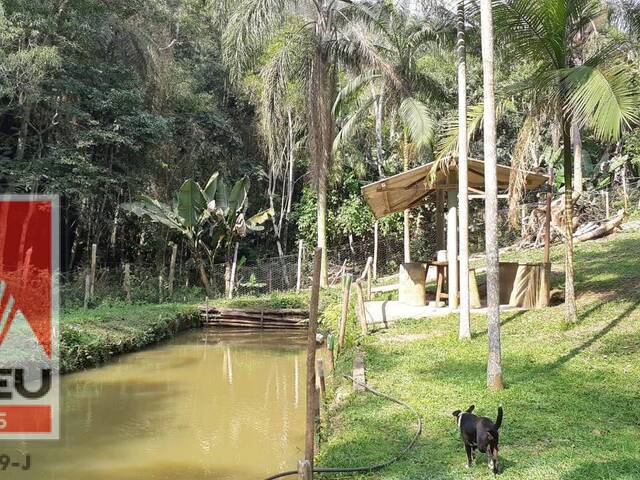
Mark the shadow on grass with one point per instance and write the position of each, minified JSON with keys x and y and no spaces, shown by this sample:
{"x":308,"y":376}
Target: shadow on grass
{"x":617,"y":469}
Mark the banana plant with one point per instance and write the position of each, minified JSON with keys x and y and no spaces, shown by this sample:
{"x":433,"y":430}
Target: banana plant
{"x":205,"y":217}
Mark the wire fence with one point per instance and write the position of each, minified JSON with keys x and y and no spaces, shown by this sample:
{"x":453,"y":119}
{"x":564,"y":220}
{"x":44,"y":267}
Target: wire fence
{"x":151,"y":283}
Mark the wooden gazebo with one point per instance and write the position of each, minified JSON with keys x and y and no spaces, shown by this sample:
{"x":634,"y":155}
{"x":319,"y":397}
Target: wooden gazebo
{"x":430,"y":182}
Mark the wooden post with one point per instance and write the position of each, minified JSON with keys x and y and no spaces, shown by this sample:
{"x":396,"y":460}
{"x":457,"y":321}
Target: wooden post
{"x":232,"y":280}
{"x":452,"y":243}
{"x":311,"y":357}
{"x":358,"y":372}
{"x":87,"y":290}
{"x":331,"y":346}
{"x":360,"y":309}
{"x":440,"y":243}
{"x":375,"y":251}
{"x":547,"y":220}
{"x":345,"y":311}
{"x":127,"y":281}
{"x":323,"y":384}
{"x":299,"y":274}
{"x":160,"y":281}
{"x":369,"y":276}
{"x":172,"y":268}
{"x":94,"y":255}
{"x":304,"y":470}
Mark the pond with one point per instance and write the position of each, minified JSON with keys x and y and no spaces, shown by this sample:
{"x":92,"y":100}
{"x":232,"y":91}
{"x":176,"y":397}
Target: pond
{"x":214,"y":404}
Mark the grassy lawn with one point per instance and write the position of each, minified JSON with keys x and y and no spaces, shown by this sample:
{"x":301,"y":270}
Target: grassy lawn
{"x":572,"y":396}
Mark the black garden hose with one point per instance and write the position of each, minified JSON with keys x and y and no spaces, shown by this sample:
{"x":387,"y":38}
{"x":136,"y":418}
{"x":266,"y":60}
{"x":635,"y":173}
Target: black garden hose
{"x":369,"y":468}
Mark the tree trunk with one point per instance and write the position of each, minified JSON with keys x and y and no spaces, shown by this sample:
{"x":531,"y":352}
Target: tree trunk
{"x":576,"y":139}
{"x":203,"y":275}
{"x":464,"y":331}
{"x":321,"y":132}
{"x":494,"y":364}
{"x":379,"y":109}
{"x":407,"y":214}
{"x":571,"y":311}
{"x":24,"y":130}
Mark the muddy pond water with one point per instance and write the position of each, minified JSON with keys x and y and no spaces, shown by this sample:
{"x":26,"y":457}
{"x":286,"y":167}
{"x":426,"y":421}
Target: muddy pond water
{"x":210,"y":404}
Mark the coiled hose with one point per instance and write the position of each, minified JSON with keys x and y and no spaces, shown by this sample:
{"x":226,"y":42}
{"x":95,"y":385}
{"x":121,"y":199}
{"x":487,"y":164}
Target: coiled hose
{"x":369,"y":468}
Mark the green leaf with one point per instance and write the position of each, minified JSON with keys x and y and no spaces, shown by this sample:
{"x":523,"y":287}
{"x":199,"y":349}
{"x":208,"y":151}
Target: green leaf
{"x":191,"y":203}
{"x":238,"y":196}
{"x":221,"y":198}
{"x":416,"y":117}
{"x":211,"y":187}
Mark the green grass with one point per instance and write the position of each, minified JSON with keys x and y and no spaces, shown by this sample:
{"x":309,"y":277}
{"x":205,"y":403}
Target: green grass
{"x":92,"y":337}
{"x":571,"y":402}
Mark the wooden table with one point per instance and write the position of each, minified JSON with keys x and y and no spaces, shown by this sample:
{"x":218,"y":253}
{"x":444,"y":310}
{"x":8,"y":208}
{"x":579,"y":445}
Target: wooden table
{"x":442,"y":268}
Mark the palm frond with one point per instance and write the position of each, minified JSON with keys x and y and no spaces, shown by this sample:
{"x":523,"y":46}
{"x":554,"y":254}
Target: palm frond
{"x":353,"y":87}
{"x":420,"y":124}
{"x":604,"y":98}
{"x":251,"y":22}
{"x":352,"y":122}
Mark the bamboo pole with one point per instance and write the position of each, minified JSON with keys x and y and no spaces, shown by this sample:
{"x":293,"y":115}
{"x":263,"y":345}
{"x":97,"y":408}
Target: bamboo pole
{"x":172,"y":268}
{"x":345,"y":311}
{"x":375,"y":251}
{"x":94,"y":256}
{"x":299,"y":271}
{"x":323,"y":384}
{"x":304,"y":470}
{"x":360,"y":309}
{"x":311,"y":357}
{"x":234,"y":265}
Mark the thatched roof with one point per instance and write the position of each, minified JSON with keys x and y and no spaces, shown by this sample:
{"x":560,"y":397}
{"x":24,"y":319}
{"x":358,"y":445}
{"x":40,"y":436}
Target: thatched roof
{"x":409,"y":189}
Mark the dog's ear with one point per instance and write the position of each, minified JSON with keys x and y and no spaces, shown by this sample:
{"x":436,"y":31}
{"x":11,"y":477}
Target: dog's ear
{"x":456,"y":413}
{"x":470,"y":409}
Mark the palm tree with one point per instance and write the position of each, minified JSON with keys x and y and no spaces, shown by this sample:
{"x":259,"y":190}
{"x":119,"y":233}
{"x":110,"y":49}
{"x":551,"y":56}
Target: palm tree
{"x":386,"y":43}
{"x":600,"y":93}
{"x":305,"y":54}
{"x":464,"y":330}
{"x":494,"y":364}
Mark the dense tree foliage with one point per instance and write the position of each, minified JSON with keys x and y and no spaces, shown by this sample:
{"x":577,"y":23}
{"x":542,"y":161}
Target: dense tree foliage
{"x":104,"y":102}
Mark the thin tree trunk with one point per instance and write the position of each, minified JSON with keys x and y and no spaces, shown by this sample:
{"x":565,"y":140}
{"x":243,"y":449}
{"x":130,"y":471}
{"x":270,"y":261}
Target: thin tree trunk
{"x":463,"y":179}
{"x":321,"y":128}
{"x":407,"y":213}
{"x":571,"y":311}
{"x":494,"y":364}
{"x":24,"y":130}
{"x":379,"y":109}
{"x":576,"y":139}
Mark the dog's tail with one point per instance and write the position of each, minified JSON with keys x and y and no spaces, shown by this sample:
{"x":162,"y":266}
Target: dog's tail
{"x":499,"y":419}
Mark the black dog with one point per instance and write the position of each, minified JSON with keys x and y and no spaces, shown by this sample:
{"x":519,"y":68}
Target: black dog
{"x":479,"y":433}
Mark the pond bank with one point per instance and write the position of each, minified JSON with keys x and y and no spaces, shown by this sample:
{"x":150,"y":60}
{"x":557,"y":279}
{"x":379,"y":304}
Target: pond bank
{"x":92,"y":337}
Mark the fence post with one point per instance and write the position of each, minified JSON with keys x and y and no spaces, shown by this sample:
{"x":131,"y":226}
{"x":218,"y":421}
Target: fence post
{"x":369,"y":281}
{"x":375,"y":251}
{"x":94,"y":255}
{"x":360,"y":310}
{"x":87,"y":290}
{"x":299,"y":272}
{"x":345,"y":310}
{"x":311,"y":358}
{"x":172,"y":268}
{"x":232,"y":280}
{"x":127,"y":281}
{"x":323,"y":384}
{"x":304,"y":470}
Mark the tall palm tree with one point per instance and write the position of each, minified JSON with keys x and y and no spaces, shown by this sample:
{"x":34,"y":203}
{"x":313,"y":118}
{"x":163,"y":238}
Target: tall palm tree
{"x":464,"y":331}
{"x":599,"y":94}
{"x":304,"y":54}
{"x":388,"y":41}
{"x":494,"y":364}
